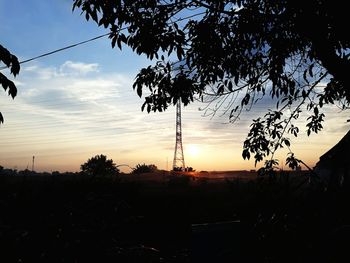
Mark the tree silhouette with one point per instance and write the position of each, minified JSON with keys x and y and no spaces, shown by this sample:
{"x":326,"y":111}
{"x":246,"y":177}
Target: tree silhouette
{"x":144,"y":168}
{"x":99,"y":165}
{"x":12,"y":63}
{"x":237,"y":52}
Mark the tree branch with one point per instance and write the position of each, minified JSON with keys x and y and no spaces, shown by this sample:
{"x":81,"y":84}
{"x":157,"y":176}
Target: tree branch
{"x":211,"y":8}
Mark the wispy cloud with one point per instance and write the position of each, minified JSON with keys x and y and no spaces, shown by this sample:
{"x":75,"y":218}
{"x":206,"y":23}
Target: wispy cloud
{"x":66,"y":113}
{"x":70,"y":67}
{"x":81,"y":110}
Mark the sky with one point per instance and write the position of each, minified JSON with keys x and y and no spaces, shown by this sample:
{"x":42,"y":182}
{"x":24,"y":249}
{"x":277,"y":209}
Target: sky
{"x":79,"y":103}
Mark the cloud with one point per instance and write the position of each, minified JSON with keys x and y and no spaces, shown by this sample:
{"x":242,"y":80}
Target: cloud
{"x":94,"y":89}
{"x":78,"y":109}
{"x":18,"y":83}
{"x":69,"y":109}
{"x":53,"y":84}
{"x":70,"y":67}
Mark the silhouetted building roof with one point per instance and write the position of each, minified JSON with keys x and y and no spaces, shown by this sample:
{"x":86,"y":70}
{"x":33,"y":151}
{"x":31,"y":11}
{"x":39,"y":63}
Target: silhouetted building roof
{"x":337,"y":155}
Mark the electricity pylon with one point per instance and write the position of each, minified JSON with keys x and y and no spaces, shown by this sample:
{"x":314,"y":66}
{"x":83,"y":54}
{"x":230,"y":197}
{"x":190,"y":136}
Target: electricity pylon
{"x":179,"y":160}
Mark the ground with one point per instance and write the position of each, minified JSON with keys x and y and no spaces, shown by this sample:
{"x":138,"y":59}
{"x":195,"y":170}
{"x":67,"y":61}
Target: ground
{"x":161,"y":217}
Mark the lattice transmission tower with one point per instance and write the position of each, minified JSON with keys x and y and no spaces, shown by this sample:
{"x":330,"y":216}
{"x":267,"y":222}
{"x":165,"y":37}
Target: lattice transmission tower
{"x":179,"y":160}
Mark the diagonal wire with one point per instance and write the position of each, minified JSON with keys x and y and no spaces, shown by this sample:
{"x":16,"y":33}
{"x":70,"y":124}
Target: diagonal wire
{"x":89,"y":40}
{"x":59,"y":50}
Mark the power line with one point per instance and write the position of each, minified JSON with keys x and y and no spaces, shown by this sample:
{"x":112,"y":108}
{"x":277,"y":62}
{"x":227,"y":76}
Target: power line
{"x":89,"y":40}
{"x":61,"y":49}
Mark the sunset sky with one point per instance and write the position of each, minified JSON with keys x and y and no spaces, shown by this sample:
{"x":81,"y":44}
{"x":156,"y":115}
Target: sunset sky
{"x":79,"y":103}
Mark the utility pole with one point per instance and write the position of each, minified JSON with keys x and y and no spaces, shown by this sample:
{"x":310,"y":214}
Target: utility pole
{"x":33,"y":163}
{"x":179,"y":160}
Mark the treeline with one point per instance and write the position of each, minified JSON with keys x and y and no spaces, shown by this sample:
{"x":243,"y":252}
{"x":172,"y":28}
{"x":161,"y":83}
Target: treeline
{"x":98,"y":165}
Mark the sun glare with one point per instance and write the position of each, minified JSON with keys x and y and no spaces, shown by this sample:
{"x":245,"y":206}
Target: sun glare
{"x":192,"y":150}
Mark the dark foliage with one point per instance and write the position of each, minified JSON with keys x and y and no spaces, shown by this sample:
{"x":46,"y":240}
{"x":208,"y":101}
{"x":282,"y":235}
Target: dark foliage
{"x":99,"y":165}
{"x":12,"y":63}
{"x":144,"y":168}
{"x":237,"y":52}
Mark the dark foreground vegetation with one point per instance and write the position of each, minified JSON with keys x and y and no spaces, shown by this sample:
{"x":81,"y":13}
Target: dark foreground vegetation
{"x":173,"y":219}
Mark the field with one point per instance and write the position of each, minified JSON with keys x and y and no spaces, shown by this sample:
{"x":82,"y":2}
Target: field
{"x":159,"y":217}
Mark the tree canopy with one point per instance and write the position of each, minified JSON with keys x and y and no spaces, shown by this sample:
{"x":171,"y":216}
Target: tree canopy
{"x":12,"y":63}
{"x":99,"y":165}
{"x":237,"y":52}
